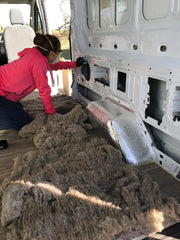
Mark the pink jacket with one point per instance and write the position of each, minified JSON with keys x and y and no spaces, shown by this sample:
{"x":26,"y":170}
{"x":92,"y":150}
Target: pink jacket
{"x":22,"y":76}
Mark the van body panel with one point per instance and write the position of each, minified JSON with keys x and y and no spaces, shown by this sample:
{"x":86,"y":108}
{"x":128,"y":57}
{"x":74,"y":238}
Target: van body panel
{"x":133,"y":58}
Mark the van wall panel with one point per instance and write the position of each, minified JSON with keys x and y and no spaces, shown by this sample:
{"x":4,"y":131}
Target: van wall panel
{"x":156,"y":9}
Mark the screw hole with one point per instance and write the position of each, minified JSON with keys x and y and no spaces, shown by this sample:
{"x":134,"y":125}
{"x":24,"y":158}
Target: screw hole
{"x":100,"y":45}
{"x":115,"y":46}
{"x":161,"y":156}
{"x":89,"y":44}
{"x":135,"y":47}
{"x":163,"y":48}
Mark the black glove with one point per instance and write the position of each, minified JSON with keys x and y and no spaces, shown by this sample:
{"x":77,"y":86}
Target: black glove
{"x":80,"y":62}
{"x":3,"y":144}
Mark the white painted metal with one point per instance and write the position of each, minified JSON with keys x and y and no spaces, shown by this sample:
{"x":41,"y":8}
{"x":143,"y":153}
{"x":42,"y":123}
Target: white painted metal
{"x":42,"y":11}
{"x":133,"y":51}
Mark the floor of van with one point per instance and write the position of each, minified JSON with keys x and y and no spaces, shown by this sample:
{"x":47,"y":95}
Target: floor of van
{"x":18,"y":145}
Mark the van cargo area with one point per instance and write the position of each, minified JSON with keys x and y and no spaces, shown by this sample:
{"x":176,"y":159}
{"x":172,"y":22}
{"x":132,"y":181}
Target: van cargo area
{"x":107,"y":165}
{"x":64,"y":177}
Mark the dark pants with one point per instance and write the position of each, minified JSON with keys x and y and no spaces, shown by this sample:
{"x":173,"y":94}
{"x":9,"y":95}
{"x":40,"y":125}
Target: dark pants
{"x":12,"y":115}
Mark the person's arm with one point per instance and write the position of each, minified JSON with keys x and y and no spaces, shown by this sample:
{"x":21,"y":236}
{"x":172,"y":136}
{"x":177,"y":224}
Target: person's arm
{"x":63,"y":65}
{"x":68,"y":64}
{"x":39,"y":71}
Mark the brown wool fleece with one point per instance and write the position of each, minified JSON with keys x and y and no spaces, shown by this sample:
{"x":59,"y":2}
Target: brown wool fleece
{"x":75,"y":186}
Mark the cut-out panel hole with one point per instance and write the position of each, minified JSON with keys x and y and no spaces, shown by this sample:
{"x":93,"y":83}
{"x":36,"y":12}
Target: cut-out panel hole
{"x":85,"y":71}
{"x":121,"y":81}
{"x":176,"y":104}
{"x":101,"y":75}
{"x":157,"y":97}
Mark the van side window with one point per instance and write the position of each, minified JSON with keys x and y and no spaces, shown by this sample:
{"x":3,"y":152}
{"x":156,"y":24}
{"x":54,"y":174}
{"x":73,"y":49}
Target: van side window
{"x":4,"y":14}
{"x":113,"y":13}
{"x":122,"y":11}
{"x":38,"y":22}
{"x":106,"y":18}
{"x":58,"y":21}
{"x":121,"y":6}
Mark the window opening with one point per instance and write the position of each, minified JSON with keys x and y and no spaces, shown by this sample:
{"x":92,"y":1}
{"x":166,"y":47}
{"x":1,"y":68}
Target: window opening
{"x":105,"y":13}
{"x":58,"y":17}
{"x":5,"y":21}
{"x":121,"y":81}
{"x":121,"y":7}
{"x":38,"y":22}
{"x":4,"y":14}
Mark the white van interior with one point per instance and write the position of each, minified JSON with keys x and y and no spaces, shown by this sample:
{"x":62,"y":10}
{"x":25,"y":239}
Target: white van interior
{"x":130,"y":86}
{"x":133,"y":73}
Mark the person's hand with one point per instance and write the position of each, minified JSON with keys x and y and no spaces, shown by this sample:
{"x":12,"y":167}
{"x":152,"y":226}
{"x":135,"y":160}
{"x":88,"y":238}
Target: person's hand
{"x":3,"y":144}
{"x":80,"y":62}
